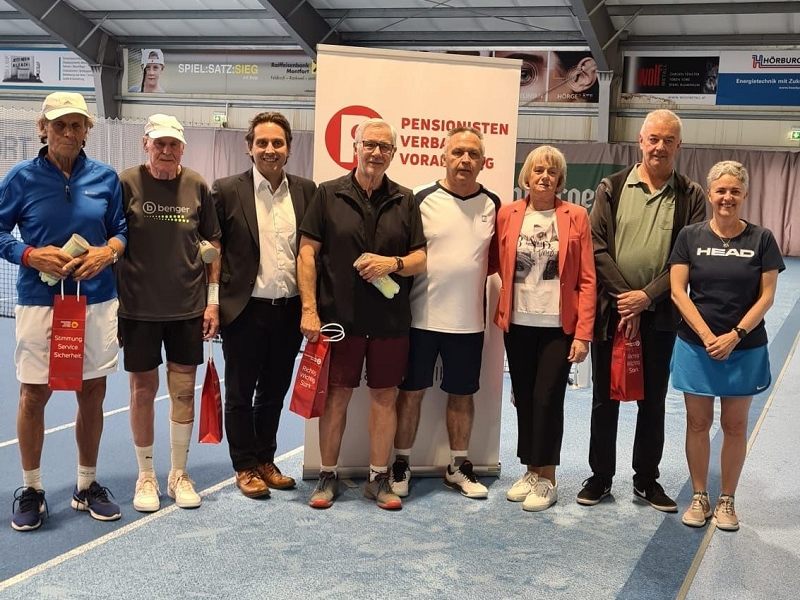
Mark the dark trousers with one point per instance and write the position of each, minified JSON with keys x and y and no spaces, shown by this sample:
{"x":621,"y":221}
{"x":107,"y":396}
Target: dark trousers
{"x":648,"y":444}
{"x":537,"y":363}
{"x":260,"y":347}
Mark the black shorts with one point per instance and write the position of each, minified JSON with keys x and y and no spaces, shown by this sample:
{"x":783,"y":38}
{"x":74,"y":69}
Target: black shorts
{"x":461,"y":361}
{"x":141,"y":342}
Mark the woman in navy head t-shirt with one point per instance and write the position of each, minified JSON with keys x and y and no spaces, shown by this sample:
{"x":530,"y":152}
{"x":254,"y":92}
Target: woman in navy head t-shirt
{"x":731,"y":267}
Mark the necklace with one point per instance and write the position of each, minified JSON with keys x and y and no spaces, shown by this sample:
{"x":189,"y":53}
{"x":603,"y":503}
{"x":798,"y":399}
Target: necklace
{"x":726,"y":242}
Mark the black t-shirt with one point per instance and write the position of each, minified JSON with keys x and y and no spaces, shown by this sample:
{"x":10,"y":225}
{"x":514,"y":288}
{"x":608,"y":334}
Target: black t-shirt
{"x":724,"y":283}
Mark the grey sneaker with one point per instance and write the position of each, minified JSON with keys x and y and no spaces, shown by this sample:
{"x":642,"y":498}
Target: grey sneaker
{"x":400,"y":477}
{"x":381,"y":491}
{"x":326,"y":490}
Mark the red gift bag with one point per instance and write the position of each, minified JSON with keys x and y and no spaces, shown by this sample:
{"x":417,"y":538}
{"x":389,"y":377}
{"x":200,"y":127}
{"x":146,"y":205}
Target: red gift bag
{"x":210,"y":431}
{"x":67,"y":342}
{"x":311,"y":384}
{"x":627,"y":377}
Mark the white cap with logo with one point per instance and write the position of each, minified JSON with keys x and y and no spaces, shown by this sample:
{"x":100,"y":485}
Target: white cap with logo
{"x":159,"y":126}
{"x":152,"y":56}
{"x":59,"y":104}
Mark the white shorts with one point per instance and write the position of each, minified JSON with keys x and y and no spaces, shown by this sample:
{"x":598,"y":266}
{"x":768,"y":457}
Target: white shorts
{"x":34,"y":324}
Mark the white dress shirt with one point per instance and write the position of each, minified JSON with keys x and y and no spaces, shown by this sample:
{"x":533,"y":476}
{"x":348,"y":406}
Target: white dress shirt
{"x":277,"y":239}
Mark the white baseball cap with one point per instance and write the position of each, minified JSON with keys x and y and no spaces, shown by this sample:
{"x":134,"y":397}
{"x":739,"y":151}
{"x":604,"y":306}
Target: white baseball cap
{"x":152,"y":56}
{"x":159,"y":126}
{"x":59,"y":104}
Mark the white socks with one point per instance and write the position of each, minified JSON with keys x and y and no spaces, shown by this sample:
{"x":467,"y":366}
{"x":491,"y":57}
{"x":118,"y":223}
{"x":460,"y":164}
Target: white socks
{"x":144,"y":458}
{"x":180,"y":436}
{"x":32,"y":478}
{"x":86,"y":475}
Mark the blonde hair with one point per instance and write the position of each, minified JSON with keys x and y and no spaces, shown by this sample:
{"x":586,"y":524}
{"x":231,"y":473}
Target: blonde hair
{"x":548,"y":155}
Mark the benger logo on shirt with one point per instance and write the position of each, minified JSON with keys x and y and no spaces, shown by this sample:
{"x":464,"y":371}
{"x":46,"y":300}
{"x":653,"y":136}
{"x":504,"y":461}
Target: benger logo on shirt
{"x":165,"y":213}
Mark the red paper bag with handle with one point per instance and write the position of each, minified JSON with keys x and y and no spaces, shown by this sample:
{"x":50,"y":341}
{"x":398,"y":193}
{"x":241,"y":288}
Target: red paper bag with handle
{"x":210,"y":431}
{"x":67,"y":341}
{"x":627,"y":377}
{"x":311,"y":384}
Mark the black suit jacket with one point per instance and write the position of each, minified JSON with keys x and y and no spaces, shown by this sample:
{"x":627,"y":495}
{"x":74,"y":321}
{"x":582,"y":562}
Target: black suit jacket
{"x":234,"y":199}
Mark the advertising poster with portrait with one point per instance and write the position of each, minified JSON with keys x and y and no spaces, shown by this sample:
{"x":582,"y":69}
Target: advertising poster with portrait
{"x":45,"y":69}
{"x":562,"y":76}
{"x":423,"y":95}
{"x":683,"y":79}
{"x":229,"y":72}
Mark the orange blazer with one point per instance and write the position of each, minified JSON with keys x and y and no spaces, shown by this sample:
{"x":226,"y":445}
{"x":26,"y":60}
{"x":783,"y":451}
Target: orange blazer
{"x":575,"y":266}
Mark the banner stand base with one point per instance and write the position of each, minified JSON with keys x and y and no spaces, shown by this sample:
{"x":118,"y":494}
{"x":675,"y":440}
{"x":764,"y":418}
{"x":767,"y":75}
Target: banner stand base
{"x":416,"y":471}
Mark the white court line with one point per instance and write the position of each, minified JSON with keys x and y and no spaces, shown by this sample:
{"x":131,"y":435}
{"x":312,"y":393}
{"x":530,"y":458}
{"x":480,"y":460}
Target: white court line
{"x":110,"y":413}
{"x":117,"y":533}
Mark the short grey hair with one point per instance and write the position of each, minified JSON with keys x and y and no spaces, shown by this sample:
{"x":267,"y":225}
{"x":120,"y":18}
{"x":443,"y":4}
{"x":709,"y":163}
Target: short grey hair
{"x":456,"y":130}
{"x":728,"y":167}
{"x":375,"y":123}
{"x":662,"y":115}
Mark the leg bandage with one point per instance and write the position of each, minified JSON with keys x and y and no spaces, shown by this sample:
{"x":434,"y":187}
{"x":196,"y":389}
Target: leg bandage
{"x":181,"y":395}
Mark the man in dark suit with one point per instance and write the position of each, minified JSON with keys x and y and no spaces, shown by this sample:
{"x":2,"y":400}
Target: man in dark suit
{"x":259,"y":212}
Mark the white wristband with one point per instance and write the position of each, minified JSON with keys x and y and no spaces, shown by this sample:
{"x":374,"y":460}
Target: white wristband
{"x":213,"y":294}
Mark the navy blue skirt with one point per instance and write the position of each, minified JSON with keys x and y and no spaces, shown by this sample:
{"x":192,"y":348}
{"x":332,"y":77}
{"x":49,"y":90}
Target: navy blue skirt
{"x":743,"y":373}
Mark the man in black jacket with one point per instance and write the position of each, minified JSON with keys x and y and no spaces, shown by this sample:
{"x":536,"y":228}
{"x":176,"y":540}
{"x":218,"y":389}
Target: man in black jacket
{"x":636,"y":217}
{"x":259,"y":212}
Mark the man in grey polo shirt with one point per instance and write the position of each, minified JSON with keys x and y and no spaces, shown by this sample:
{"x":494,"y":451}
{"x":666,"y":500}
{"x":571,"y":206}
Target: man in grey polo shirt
{"x":636,"y":217}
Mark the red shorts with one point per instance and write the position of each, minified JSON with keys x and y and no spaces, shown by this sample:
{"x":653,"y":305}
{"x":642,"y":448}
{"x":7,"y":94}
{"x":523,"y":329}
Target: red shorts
{"x":386,"y":361}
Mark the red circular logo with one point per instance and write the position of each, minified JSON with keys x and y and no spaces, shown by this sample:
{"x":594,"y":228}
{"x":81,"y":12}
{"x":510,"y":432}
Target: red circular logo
{"x":340,"y":133}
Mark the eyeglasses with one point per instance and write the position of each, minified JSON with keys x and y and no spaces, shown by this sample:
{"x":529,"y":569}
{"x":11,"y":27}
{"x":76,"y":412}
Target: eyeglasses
{"x":370,"y":145}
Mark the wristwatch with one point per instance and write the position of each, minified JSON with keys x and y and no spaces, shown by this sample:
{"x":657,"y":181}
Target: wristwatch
{"x":741,"y":332}
{"x":114,"y":255}
{"x":400,"y":265}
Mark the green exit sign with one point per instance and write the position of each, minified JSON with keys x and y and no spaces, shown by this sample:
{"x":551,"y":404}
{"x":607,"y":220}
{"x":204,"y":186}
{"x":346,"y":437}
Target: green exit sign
{"x":795,"y":135}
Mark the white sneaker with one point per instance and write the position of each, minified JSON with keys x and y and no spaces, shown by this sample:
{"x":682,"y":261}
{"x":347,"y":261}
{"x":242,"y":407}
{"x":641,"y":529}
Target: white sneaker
{"x":145,"y":498}
{"x":523,"y":486}
{"x":464,"y":480}
{"x":543,"y":495}
{"x":400,"y":478}
{"x":181,"y":488}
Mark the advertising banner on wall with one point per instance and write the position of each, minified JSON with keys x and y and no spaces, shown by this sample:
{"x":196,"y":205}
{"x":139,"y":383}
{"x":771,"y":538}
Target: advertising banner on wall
{"x":563,"y":76}
{"x":423,"y":94}
{"x":684,"y":79}
{"x":759,"y":78}
{"x":230,"y":72}
{"x":44,"y":69}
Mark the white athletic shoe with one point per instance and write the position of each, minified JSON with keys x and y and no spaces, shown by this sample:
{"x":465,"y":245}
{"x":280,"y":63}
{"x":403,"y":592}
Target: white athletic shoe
{"x":181,"y":488}
{"x":145,"y":498}
{"x":400,"y":478}
{"x":523,"y":486}
{"x":543,"y":495}
{"x":464,"y":480}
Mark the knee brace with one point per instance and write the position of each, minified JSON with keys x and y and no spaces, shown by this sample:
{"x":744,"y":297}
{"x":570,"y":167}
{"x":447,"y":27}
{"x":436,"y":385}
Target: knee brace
{"x":181,"y":395}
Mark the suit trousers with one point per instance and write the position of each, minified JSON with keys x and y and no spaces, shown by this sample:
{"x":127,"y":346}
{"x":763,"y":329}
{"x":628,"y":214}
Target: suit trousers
{"x":260,"y":347}
{"x":648,"y":444}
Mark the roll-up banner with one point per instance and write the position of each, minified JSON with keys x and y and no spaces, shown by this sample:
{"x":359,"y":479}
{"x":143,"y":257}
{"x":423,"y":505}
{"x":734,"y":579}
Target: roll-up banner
{"x":423,"y":94}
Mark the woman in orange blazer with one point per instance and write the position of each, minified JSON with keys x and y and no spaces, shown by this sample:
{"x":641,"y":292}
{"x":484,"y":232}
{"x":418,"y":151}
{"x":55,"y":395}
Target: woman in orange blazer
{"x":546,"y":308}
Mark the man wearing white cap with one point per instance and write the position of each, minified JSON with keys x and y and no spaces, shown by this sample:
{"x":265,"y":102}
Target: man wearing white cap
{"x":167,"y":296}
{"x":59,"y":193}
{"x":152,"y":67}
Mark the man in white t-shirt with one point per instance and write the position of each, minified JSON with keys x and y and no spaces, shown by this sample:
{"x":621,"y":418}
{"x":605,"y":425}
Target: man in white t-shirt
{"x":447,"y":307}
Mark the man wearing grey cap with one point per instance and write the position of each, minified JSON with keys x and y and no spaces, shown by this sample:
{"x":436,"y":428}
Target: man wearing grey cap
{"x":51,"y":198}
{"x":167,"y":297}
